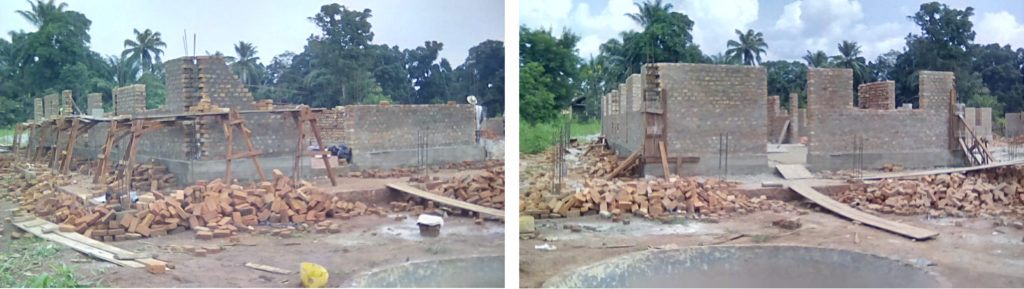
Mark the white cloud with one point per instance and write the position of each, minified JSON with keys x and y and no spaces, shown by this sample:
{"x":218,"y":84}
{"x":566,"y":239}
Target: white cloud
{"x":715,"y":22}
{"x":1000,"y":27}
{"x":790,"y":19}
{"x":544,"y":13}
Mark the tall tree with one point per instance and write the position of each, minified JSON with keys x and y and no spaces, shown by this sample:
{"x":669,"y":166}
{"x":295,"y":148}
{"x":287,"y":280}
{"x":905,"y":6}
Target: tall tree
{"x":145,"y":49}
{"x":749,"y":47}
{"x":246,"y":64}
{"x":817,"y":59}
{"x":557,"y":59}
{"x":849,"y":57}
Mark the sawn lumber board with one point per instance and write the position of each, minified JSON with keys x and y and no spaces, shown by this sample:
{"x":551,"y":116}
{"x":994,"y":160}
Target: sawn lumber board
{"x":448,"y":201}
{"x":794,"y":171}
{"x":857,"y":215}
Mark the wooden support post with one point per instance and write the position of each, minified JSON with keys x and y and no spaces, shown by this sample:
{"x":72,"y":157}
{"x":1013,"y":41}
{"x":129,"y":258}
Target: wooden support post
{"x":298,"y":144}
{"x":230,"y":144}
{"x":664,"y":158}
{"x":304,"y":115}
{"x":104,"y":160}
{"x":247,"y":135}
{"x":65,"y":165}
{"x":57,"y":152}
{"x":16,"y":141}
{"x":319,"y":143}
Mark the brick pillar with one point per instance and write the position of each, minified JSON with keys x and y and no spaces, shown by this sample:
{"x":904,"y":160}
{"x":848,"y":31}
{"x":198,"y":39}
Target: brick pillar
{"x":67,"y":106}
{"x":794,"y":120}
{"x":94,"y":101}
{"x":38,"y":106}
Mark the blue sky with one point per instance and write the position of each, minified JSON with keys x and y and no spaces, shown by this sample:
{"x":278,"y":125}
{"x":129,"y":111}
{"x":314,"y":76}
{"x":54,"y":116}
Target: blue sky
{"x":275,"y":26}
{"x":791,"y":27}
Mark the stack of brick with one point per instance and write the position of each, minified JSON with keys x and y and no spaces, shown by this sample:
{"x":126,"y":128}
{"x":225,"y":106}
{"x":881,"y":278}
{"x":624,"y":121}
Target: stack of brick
{"x":129,"y":99}
{"x":38,"y":111}
{"x":51,"y":105}
{"x":94,"y":101}
{"x":877,"y":95}
{"x":67,"y":106}
{"x":654,"y":199}
{"x":486,"y":189}
{"x":992,"y":192}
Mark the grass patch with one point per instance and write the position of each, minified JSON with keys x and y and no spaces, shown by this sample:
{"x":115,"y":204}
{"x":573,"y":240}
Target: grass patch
{"x":535,"y":138}
{"x":28,"y":262}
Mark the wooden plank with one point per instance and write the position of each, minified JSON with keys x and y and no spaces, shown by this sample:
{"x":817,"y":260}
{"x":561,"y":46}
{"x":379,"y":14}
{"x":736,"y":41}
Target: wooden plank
{"x":448,"y":201}
{"x":857,"y":215}
{"x":664,"y":158}
{"x":942,"y":171}
{"x":267,"y":268}
{"x":782,"y":134}
{"x":794,"y":171}
{"x":78,"y":246}
{"x":624,"y":165}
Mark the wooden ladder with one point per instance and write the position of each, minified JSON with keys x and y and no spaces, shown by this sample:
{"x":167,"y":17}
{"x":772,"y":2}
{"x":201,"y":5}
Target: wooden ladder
{"x":231,"y":121}
{"x":303,"y":116}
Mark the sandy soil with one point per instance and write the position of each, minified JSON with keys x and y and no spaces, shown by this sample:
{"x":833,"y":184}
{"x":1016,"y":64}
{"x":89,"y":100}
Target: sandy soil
{"x":968,"y":252}
{"x":365,"y":243}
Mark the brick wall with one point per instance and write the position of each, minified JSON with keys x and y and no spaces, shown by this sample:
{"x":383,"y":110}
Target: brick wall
{"x":188,"y":79}
{"x":332,"y":125}
{"x":51,"y":105}
{"x":707,"y":100}
{"x":273,"y":134}
{"x":980,"y":121}
{"x":93,"y":101}
{"x":495,"y":125}
{"x":1014,"y":124}
{"x":67,"y":103}
{"x":38,"y":112}
{"x":375,"y":128}
{"x":877,"y":95}
{"x":129,"y":99}
{"x":915,"y":138}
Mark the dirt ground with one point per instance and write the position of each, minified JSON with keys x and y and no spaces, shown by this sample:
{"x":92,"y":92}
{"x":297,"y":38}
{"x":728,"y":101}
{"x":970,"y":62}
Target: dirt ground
{"x":365,"y":243}
{"x":968,"y":252}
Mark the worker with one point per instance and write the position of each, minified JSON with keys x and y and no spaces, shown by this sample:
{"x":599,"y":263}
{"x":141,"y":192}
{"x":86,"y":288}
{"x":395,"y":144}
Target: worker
{"x":480,"y":114}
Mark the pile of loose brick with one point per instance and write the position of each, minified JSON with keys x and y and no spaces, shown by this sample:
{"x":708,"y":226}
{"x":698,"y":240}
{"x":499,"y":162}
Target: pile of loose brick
{"x":213,"y":209}
{"x":486,"y":189}
{"x":653,"y":199}
{"x":998,"y":191}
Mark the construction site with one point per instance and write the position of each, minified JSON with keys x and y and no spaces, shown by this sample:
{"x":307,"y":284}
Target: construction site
{"x":699,"y":178}
{"x":217,"y":189}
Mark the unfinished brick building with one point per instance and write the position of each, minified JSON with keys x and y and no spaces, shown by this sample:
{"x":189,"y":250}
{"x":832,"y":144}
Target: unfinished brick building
{"x":715,"y":112}
{"x":191,"y":141}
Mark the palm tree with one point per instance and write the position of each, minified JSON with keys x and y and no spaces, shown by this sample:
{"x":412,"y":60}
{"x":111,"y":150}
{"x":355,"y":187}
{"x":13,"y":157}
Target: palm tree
{"x":227,"y":59}
{"x":245,"y":64}
{"x":721,"y":58}
{"x":125,"y":72}
{"x":849,"y":57}
{"x":817,"y":59}
{"x":144,"y":49}
{"x":41,"y":12}
{"x":648,"y":12}
{"x":749,"y":48}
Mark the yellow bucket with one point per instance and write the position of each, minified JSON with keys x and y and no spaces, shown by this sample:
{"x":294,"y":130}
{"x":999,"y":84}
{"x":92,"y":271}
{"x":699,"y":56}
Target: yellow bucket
{"x":313,"y":275}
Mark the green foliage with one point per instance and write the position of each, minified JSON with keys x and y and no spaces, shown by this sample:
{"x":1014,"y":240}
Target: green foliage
{"x":536,"y":102}
{"x":749,"y":47}
{"x":786,"y":77}
{"x":535,"y":138}
{"x":29,"y":262}
{"x":556,"y":59}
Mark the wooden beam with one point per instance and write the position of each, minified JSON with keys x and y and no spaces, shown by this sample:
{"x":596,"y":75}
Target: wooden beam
{"x":448,"y":201}
{"x":314,"y":126}
{"x":664,"y":158}
{"x":628,"y":163}
{"x":857,"y":215}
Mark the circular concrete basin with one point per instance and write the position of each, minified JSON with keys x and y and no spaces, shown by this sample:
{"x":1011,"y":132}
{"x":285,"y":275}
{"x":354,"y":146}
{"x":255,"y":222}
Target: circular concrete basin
{"x":747,"y":266}
{"x":477,"y":272}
